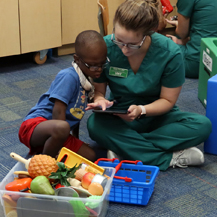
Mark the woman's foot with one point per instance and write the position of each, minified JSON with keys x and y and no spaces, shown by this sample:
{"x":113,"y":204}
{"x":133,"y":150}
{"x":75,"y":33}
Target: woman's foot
{"x":111,"y":155}
{"x":187,"y":157}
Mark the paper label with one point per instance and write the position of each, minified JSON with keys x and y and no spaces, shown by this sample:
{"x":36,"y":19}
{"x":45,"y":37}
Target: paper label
{"x":207,"y":61}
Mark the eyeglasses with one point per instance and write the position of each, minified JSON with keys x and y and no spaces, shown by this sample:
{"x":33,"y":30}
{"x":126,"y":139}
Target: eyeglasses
{"x":96,"y":68}
{"x":132,"y":46}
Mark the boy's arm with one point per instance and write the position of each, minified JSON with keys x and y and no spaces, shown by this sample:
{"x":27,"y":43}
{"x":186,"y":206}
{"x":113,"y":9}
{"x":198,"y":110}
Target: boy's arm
{"x":59,"y":110}
{"x":99,"y":97}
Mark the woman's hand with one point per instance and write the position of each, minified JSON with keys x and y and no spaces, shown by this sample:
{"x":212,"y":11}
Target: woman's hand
{"x":172,"y":22}
{"x":134,"y":112}
{"x":175,"y":39}
{"x":178,"y":41}
{"x":102,"y":103}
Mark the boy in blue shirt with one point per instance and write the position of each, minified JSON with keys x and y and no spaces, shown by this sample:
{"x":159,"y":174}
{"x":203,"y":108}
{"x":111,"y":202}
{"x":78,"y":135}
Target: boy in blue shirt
{"x":46,"y":128}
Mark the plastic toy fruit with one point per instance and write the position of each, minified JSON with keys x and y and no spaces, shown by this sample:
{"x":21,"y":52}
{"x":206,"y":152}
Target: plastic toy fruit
{"x":41,"y":185}
{"x":39,"y":165}
{"x":63,"y":173}
{"x":79,"y":174}
{"x":22,"y":174}
{"x":74,"y":182}
{"x":9,"y":200}
{"x":19,"y":184}
{"x":59,"y":186}
{"x":12,"y":213}
{"x":79,"y":208}
{"x":42,"y":165}
{"x":95,"y":189}
{"x":86,"y":179}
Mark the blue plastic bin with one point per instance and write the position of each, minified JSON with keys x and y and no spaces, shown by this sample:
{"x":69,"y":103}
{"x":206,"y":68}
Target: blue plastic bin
{"x":210,"y":145}
{"x":139,"y":190}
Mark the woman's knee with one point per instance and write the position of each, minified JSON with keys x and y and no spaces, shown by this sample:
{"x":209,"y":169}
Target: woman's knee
{"x":202,"y":126}
{"x":206,"y":127}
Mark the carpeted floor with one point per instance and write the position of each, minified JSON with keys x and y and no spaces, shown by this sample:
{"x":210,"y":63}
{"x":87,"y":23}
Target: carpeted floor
{"x":190,"y":192}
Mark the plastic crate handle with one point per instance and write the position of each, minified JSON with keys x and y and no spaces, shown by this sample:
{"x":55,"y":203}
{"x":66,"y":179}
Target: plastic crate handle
{"x":126,"y":161}
{"x":127,"y":179}
{"x":105,"y":159}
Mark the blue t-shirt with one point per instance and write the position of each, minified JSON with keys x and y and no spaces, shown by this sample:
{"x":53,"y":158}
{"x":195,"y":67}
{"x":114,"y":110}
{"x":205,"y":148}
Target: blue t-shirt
{"x":66,"y":87}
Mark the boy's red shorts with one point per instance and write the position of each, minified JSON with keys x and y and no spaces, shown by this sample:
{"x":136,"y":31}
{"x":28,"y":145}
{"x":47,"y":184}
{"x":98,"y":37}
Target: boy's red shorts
{"x":27,"y":128}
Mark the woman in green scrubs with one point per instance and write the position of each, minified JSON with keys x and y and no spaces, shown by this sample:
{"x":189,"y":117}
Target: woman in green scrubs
{"x":196,"y":19}
{"x":145,"y":76}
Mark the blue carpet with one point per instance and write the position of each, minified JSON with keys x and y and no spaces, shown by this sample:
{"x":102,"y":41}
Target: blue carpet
{"x":178,"y":192}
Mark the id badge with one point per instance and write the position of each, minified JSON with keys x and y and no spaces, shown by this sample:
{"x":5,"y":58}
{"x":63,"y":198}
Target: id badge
{"x":118,"y":72}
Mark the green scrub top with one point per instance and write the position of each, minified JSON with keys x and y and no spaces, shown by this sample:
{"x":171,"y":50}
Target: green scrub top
{"x":162,"y":66}
{"x":203,"y":24}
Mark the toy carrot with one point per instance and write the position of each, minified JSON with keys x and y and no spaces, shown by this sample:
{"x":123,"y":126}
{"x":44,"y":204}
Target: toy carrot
{"x":19,"y":184}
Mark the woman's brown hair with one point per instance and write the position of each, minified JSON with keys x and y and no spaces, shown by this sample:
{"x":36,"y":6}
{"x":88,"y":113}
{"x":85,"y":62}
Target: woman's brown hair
{"x":138,"y":15}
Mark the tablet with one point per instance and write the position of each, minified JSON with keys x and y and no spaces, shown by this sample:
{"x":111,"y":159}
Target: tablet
{"x":110,"y":111}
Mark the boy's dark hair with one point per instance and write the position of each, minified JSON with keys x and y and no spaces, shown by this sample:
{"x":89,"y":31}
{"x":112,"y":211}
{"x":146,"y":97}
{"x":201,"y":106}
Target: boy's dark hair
{"x":86,"y":40}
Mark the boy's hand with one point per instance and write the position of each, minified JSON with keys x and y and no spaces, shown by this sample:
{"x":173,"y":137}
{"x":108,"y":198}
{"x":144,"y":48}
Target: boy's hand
{"x":103,"y":103}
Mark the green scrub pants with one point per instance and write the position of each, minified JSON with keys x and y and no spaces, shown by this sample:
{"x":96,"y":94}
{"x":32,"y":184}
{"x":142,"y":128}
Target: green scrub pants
{"x":150,"y":139}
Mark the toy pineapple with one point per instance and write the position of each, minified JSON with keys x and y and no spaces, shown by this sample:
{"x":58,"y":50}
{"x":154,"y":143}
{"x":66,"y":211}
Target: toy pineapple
{"x":39,"y":165}
{"x":42,"y":165}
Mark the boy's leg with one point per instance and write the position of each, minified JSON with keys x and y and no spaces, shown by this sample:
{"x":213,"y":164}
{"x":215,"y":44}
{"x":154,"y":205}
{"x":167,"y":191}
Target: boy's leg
{"x":87,"y":152}
{"x":76,"y":145}
{"x":51,"y":135}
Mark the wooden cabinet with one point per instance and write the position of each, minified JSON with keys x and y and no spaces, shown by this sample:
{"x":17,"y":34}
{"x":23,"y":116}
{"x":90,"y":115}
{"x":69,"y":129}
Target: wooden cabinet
{"x":112,"y":5}
{"x":81,"y":15}
{"x":9,"y":28}
{"x":78,"y":16}
{"x":29,"y":25}
{"x":173,"y":13}
{"x":34,"y":25}
{"x":40,"y":24}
